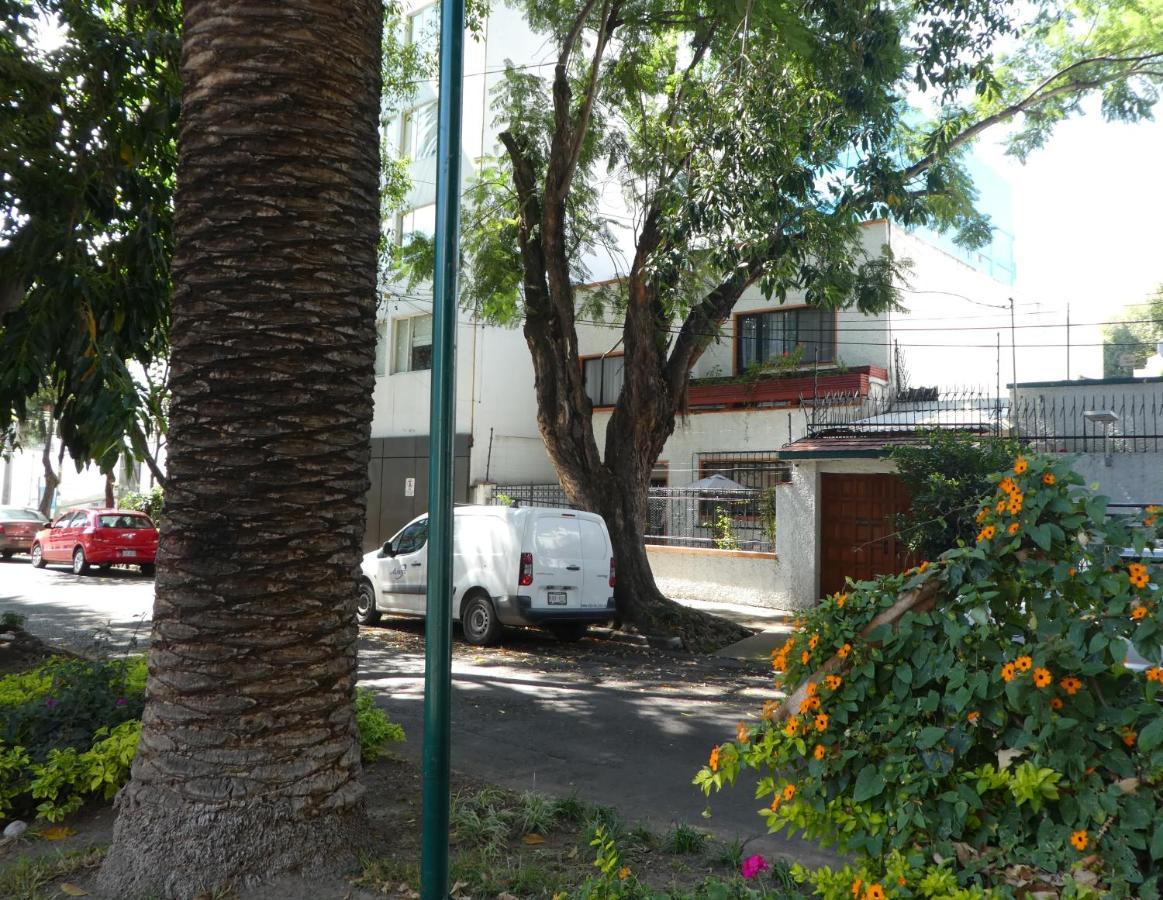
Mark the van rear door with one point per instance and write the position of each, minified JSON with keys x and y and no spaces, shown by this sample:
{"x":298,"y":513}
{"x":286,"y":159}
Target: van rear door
{"x":596,"y":557}
{"x":558,"y":564}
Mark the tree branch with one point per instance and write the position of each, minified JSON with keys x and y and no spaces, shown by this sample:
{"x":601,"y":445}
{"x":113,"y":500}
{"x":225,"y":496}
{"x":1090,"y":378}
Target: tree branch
{"x":1034,"y":99}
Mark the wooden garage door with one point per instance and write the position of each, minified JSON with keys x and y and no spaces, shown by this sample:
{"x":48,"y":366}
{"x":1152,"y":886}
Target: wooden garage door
{"x":856,"y":530}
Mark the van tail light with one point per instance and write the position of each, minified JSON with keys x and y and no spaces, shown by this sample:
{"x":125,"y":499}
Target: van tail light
{"x":613,"y":580}
{"x":526,"y":577}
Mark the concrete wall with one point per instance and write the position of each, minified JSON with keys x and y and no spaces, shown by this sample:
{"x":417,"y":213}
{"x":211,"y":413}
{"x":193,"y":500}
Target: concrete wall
{"x":1135,"y":478}
{"x":724,"y":576}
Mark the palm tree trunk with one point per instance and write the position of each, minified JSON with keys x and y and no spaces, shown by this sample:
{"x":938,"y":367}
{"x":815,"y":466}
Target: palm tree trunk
{"x":249,"y":761}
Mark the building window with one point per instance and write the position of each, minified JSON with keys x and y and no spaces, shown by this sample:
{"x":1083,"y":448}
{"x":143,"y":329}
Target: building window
{"x":767,"y":336}
{"x":423,"y":28}
{"x":413,"y":349}
{"x":603,"y":379}
{"x":382,"y":347}
{"x":418,"y":138}
{"x":421,"y":221}
{"x":755,"y":473}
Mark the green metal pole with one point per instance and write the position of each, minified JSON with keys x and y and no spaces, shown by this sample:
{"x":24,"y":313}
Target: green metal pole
{"x":442,"y":434}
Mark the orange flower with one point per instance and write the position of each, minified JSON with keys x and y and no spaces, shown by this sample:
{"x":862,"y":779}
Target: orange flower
{"x":1136,"y":569}
{"x":844,"y":651}
{"x":1000,"y":506}
{"x":874,"y":892}
{"x":819,"y":752}
{"x":1155,"y":674}
{"x":789,"y":791}
{"x":809,"y":703}
{"x":813,"y":642}
{"x":1048,"y":478}
{"x":1042,"y":678}
{"x":833,"y":681}
{"x":982,"y":513}
{"x":812,"y":689}
{"x":624,"y":873}
{"x":804,"y":657}
{"x":1013,"y":529}
{"x":901,"y":881}
{"x":1150,"y":517}
{"x":1021,"y":466}
{"x":1007,"y":484}
{"x":1072,"y":571}
{"x":714,"y":761}
{"x":822,"y":722}
{"x":1024,"y":663}
{"x":779,"y":664}
{"x":775,"y":802}
{"x":856,"y":885}
{"x":1139,"y":612}
{"x":791,"y":642}
{"x":1008,"y":671}
{"x":841,"y":599}
{"x":1055,"y":703}
{"x":1079,"y":840}
{"x":741,"y":733}
{"x":973,"y":716}
{"x":921,"y":569}
{"x":1129,"y":737}
{"x":769,"y":708}
{"x":792,"y":726}
{"x":1015,"y":504}
{"x":1070,"y":684}
{"x":986,"y":534}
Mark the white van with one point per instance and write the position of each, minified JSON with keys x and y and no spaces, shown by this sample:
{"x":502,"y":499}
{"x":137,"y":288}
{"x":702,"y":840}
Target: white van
{"x":552,"y":568}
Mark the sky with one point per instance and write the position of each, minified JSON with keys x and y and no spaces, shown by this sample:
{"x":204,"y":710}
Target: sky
{"x":1086,"y":212}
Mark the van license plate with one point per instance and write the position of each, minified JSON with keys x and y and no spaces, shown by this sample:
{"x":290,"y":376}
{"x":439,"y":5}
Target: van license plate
{"x":555,"y":598}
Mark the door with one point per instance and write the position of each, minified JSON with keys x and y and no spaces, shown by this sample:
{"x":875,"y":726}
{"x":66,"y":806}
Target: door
{"x":404,"y":576}
{"x":857,"y":528}
{"x":62,"y":538}
{"x":596,"y":556}
{"x":558,"y":571}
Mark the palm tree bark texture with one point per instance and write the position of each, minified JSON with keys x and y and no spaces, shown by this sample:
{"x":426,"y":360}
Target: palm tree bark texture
{"x":249,"y":758}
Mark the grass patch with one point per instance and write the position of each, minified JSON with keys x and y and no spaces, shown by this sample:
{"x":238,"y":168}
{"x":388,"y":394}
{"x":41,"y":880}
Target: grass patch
{"x":531,"y":846}
{"x":683,"y":840}
{"x":27,"y":879}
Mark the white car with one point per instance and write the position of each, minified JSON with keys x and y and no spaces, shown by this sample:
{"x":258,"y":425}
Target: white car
{"x":552,"y":568}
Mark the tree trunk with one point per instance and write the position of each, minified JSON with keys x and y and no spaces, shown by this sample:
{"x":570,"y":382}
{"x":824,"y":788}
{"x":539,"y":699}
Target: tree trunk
{"x":110,"y":484}
{"x":249,"y":760}
{"x":51,"y":479}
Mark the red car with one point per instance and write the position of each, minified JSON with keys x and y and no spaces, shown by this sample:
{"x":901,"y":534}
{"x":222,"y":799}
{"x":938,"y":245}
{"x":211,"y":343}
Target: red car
{"x":100,"y":537}
{"x":18,"y":527}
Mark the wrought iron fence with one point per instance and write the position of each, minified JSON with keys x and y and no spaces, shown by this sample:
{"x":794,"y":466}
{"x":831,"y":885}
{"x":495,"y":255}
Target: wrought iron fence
{"x":918,"y":409}
{"x":679,"y":517}
{"x":1091,"y":423}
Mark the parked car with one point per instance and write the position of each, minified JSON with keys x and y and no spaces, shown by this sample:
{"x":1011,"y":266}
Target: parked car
{"x":552,"y":568}
{"x":100,"y":537}
{"x":18,"y":528}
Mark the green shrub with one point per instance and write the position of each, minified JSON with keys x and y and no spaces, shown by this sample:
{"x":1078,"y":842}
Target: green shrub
{"x":70,"y":731}
{"x":63,"y":703}
{"x":375,"y":729}
{"x":150,"y":504}
{"x":995,"y":742}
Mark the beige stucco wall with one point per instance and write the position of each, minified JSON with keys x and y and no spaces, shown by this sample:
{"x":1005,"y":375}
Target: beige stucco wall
{"x":722,"y":576}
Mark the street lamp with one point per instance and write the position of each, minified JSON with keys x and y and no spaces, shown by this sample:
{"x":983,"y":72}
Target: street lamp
{"x":1106,"y":418}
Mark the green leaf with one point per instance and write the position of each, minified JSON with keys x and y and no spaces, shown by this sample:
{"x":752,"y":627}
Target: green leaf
{"x":1157,"y":842}
{"x":1151,"y":736}
{"x":869,"y":784}
{"x":930,"y":736}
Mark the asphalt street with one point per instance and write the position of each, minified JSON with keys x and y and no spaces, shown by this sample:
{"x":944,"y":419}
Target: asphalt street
{"x":619,"y":725}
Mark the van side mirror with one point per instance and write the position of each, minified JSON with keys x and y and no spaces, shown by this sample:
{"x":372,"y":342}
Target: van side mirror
{"x":387,"y":550}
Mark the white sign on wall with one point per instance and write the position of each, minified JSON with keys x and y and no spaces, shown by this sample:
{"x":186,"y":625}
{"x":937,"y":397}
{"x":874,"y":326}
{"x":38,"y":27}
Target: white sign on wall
{"x":409,"y":487}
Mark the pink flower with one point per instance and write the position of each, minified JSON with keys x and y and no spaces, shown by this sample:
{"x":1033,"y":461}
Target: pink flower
{"x":753,"y":865}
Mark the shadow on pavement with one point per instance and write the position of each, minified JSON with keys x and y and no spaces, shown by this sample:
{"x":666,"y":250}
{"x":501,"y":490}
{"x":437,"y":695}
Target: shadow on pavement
{"x":626,"y":742}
